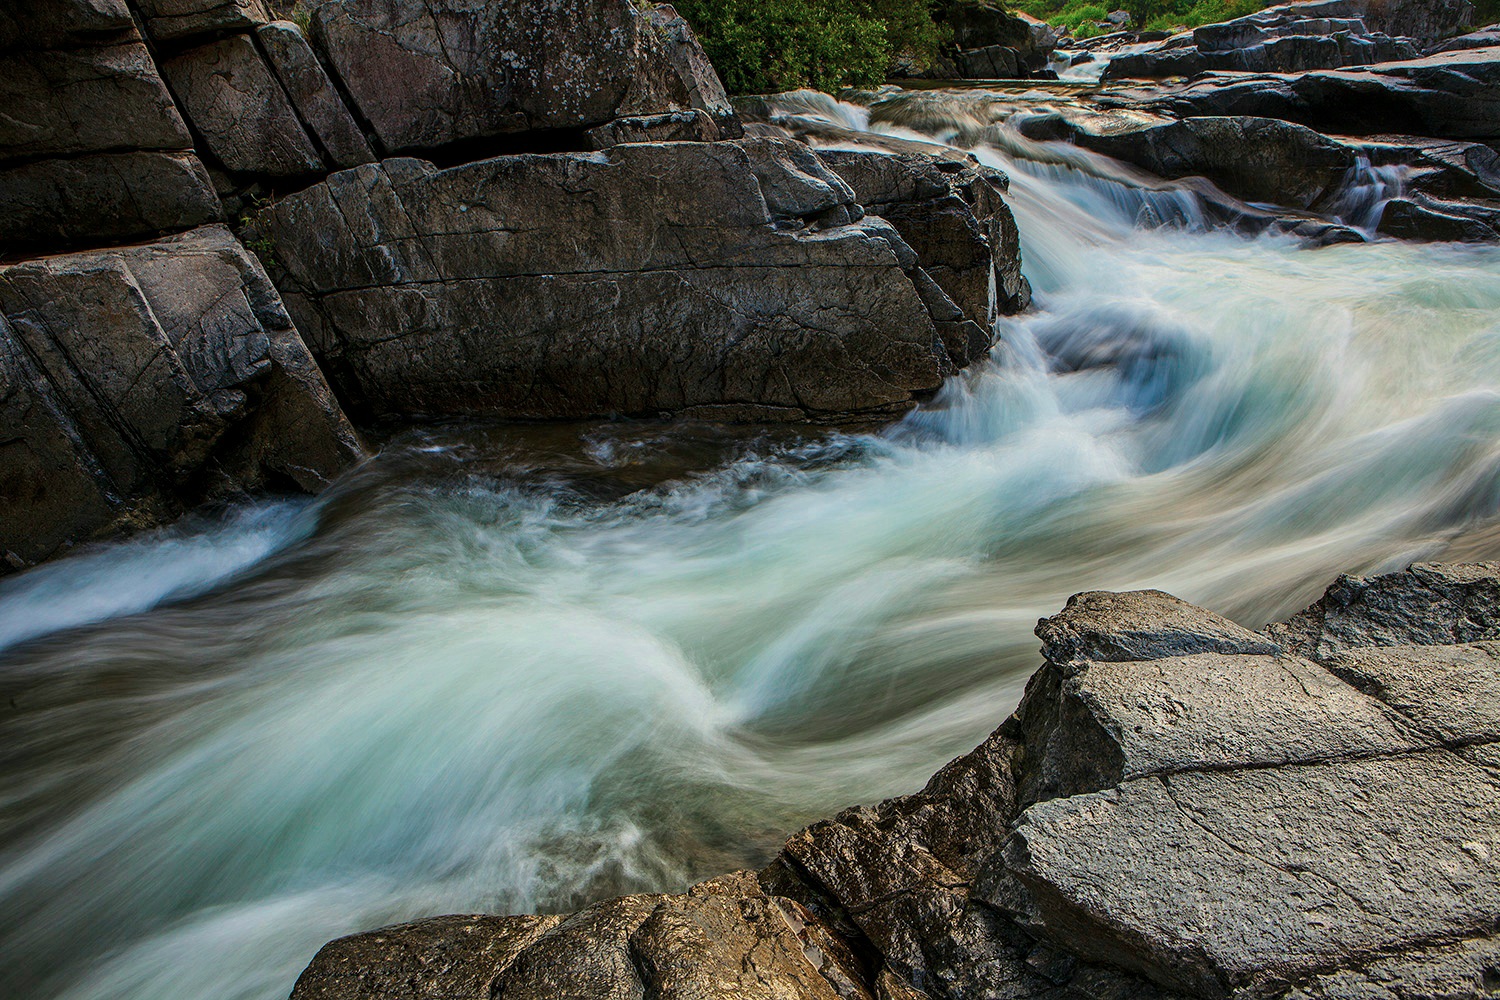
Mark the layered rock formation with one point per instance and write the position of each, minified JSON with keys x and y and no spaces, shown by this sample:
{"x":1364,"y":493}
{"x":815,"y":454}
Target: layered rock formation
{"x":1180,"y":807}
{"x":588,"y":235}
{"x":135,"y":383}
{"x":738,"y":278}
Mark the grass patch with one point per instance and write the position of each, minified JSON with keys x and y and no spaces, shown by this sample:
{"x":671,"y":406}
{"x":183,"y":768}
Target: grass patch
{"x":1080,"y":16}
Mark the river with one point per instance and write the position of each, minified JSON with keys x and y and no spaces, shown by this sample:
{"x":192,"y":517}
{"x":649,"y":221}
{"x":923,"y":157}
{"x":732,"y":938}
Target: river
{"x":503,"y":669}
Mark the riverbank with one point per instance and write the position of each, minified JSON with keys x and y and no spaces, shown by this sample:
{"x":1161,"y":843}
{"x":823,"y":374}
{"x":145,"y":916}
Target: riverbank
{"x":1179,"y":807}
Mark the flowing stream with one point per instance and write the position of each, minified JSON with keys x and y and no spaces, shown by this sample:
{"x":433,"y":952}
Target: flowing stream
{"x":503,"y":669}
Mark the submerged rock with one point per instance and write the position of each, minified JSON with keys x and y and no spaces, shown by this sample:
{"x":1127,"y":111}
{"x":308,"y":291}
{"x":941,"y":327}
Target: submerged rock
{"x":739,"y":279}
{"x":1180,"y":808}
{"x":140,"y":381}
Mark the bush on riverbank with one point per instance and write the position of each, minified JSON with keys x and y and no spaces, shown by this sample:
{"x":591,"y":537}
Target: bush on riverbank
{"x":760,"y":46}
{"x":1080,"y":16}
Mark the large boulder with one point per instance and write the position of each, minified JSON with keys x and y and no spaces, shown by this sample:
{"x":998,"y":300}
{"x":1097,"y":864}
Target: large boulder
{"x":140,"y":381}
{"x":172,"y":20}
{"x":734,"y":278}
{"x":431,"y":74}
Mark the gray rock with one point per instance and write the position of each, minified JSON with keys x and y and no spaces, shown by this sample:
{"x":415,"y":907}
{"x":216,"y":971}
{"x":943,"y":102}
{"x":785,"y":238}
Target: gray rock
{"x":240,"y":109}
{"x":1452,"y":693}
{"x":317,"y":102}
{"x":435,"y":959}
{"x":1452,"y":95}
{"x":1242,"y":882}
{"x":1101,"y":626}
{"x":85,"y":100}
{"x":1457,"y":971}
{"x":1425,"y":605}
{"x":676,"y":126}
{"x":427,"y":75}
{"x":640,"y":279}
{"x":953,"y":214}
{"x":107,"y":197}
{"x":1257,"y":159}
{"x":1429,"y":220}
{"x":1481,"y":39}
{"x":171,"y":20}
{"x":174,"y":374}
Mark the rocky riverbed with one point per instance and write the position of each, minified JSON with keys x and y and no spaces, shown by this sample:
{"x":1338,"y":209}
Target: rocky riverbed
{"x":257,"y":250}
{"x":1180,"y":807}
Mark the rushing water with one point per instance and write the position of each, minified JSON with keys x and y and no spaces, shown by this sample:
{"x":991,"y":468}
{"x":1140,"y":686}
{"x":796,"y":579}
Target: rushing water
{"x":506,"y":669}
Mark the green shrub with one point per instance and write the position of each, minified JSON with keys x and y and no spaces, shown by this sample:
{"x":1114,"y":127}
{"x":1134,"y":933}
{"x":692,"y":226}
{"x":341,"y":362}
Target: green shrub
{"x":771,"y":45}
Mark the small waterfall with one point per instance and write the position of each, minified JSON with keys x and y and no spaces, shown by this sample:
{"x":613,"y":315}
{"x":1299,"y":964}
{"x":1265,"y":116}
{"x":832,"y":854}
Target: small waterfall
{"x":1365,"y":190}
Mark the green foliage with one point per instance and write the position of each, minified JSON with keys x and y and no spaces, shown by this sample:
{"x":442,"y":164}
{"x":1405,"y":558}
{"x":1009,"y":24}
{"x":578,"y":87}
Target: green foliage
{"x":770,"y":45}
{"x":1080,"y":16}
{"x":301,"y":17}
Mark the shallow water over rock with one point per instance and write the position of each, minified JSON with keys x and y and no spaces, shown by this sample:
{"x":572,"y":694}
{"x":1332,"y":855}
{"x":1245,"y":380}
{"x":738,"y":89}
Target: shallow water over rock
{"x":504,"y":669}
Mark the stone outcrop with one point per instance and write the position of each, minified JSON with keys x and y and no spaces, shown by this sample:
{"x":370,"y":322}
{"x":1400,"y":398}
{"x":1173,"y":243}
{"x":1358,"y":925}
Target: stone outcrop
{"x":138,"y":382}
{"x":1323,"y":34}
{"x":1451,"y":95}
{"x":1180,"y":807}
{"x":428,"y":75}
{"x":741,"y":279}
{"x":91,"y":145}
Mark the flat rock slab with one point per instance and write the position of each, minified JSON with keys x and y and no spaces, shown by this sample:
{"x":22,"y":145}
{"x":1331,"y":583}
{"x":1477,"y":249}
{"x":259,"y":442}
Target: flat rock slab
{"x":737,"y":276}
{"x":171,"y":20}
{"x":1449,"y":692}
{"x":1226,"y":882}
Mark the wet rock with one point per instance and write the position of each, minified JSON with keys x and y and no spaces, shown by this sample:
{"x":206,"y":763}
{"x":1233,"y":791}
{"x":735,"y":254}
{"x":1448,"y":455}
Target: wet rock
{"x":1427,"y":604}
{"x":170,"y":373}
{"x":313,"y":94}
{"x":640,"y":279}
{"x":953,"y":214}
{"x":1429,"y":220}
{"x":171,"y":20}
{"x":435,"y":959}
{"x":428,"y":75}
{"x":1257,"y":159}
{"x":239,"y":107}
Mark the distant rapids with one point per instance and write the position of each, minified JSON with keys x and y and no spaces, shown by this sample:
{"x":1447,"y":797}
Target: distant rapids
{"x":503,"y":669}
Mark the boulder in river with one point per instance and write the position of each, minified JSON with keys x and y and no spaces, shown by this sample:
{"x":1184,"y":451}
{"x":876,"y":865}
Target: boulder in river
{"x":143,"y":380}
{"x":1180,"y":807}
{"x":739,"y":279}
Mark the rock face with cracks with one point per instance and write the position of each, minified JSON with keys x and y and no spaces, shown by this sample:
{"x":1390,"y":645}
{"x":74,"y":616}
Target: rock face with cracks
{"x":1180,"y":807}
{"x":731,"y":279}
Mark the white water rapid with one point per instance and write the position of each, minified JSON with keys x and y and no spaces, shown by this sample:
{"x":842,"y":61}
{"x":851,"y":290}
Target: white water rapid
{"x":509,"y":669}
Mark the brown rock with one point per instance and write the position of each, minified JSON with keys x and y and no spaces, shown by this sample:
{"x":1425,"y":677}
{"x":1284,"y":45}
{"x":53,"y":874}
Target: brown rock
{"x":317,"y":101}
{"x":239,"y":107}
{"x":169,"y":20}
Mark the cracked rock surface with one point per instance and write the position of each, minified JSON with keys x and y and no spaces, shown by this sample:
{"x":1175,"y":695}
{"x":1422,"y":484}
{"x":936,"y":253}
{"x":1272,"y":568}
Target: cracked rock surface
{"x":1180,"y":807}
{"x":735,"y":279}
